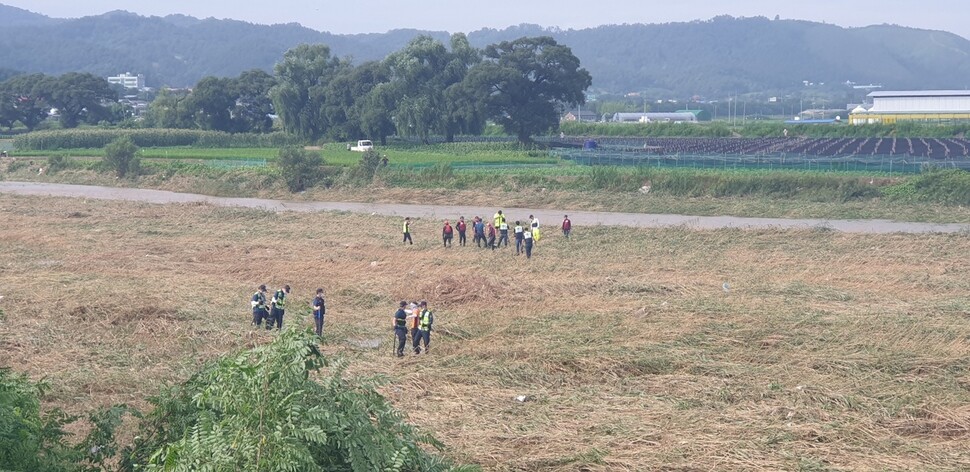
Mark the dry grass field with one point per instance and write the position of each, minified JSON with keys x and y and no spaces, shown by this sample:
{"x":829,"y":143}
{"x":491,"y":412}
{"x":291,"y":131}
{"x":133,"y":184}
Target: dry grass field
{"x":823,"y":351}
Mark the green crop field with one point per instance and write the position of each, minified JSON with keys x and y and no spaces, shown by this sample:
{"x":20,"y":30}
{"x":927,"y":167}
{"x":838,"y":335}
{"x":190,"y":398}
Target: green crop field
{"x":336,"y":154}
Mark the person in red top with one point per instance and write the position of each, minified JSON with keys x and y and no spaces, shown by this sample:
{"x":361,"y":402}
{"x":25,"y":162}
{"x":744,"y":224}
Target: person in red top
{"x":491,"y":237}
{"x":461,"y":227}
{"x":567,"y":226}
{"x":447,"y":233}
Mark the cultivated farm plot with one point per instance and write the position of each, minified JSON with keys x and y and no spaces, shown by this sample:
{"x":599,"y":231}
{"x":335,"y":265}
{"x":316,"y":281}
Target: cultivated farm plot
{"x":632,"y":349}
{"x":400,"y":155}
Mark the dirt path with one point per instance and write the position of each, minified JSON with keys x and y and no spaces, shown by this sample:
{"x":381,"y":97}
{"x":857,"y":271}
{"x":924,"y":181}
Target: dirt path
{"x":549,"y":218}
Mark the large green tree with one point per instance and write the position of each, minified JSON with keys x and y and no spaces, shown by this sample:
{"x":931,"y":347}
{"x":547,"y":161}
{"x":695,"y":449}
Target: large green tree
{"x":79,"y":97}
{"x":8,"y":108}
{"x":300,"y":93}
{"x":426,"y":76}
{"x":253,"y":104}
{"x":464,"y":112}
{"x":375,"y":110}
{"x":170,"y":109}
{"x":211,"y":102}
{"x":417,"y":82}
{"x":345,"y":96}
{"x":27,"y":99}
{"x":524,"y":83}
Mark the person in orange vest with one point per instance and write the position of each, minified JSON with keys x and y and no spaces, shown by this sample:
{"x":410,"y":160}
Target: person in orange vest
{"x":412,"y":320}
{"x":425,"y":321}
{"x":447,"y":233}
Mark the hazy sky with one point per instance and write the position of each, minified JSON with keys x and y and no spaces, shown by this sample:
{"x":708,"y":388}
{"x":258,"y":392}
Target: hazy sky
{"x":369,"y":16}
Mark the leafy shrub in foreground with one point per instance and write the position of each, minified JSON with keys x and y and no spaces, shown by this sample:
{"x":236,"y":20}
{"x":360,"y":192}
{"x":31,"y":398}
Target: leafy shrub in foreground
{"x":280,"y":406}
{"x":34,"y":441}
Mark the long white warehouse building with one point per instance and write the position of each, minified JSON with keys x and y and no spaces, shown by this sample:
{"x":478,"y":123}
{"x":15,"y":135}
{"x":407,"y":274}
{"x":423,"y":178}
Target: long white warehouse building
{"x":939,"y":106}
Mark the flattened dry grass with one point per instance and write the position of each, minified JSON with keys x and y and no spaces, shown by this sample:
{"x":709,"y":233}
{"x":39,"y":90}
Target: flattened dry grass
{"x":824,"y":351}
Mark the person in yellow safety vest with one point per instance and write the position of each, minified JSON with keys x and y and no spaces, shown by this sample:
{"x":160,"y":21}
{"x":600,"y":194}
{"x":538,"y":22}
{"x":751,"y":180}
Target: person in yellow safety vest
{"x":279,"y":307}
{"x":499,"y":219}
{"x":407,"y":231}
{"x":425,"y":322}
{"x":259,"y":306}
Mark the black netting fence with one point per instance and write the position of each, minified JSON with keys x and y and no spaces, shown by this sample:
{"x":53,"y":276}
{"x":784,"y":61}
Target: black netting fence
{"x":882,"y":164}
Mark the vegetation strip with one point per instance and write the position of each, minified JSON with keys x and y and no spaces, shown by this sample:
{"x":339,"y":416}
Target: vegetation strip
{"x":432,"y":211}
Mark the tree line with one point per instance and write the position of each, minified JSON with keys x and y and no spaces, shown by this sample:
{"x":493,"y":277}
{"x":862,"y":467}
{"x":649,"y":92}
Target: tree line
{"x":425,"y":89}
{"x":78,"y":98}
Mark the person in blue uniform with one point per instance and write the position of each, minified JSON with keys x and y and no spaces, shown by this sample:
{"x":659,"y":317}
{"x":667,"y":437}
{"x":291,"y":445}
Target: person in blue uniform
{"x":319,"y":311}
{"x":278,"y":305}
{"x":400,"y":329}
{"x":258,"y":302}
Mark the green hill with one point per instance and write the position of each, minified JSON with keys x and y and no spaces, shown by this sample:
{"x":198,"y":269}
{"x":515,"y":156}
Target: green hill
{"x":714,"y":58}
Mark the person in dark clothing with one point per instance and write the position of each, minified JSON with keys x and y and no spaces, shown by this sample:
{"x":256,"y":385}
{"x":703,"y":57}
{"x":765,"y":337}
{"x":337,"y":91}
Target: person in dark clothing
{"x":461,"y":227}
{"x":519,"y":233}
{"x":278,"y":308}
{"x":528,"y":244}
{"x":259,"y":306}
{"x":319,"y":311}
{"x":479,"y":232}
{"x":491,"y":237}
{"x":447,"y":233}
{"x":400,"y":329}
{"x":503,"y":234}
{"x":567,"y":226}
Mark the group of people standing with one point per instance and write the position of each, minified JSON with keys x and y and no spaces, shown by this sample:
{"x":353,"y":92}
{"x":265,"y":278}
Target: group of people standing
{"x":271,"y":314}
{"x":416,"y":318}
{"x":493,"y":234}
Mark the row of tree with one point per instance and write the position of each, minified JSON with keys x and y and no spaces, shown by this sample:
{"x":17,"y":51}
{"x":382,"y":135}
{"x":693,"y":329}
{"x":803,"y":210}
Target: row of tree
{"x":422,"y":90}
{"x":425,"y":89}
{"x":78,"y":98}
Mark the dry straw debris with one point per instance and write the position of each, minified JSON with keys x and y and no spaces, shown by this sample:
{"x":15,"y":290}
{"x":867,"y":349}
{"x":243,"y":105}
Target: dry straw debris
{"x":829,"y":351}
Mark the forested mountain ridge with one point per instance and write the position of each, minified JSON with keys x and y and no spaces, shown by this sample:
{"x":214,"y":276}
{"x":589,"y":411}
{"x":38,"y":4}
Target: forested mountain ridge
{"x":712,"y":58}
{"x":13,"y":16}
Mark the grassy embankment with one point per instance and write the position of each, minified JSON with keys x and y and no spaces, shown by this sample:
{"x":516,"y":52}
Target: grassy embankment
{"x":504,"y":175}
{"x":826,"y":351}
